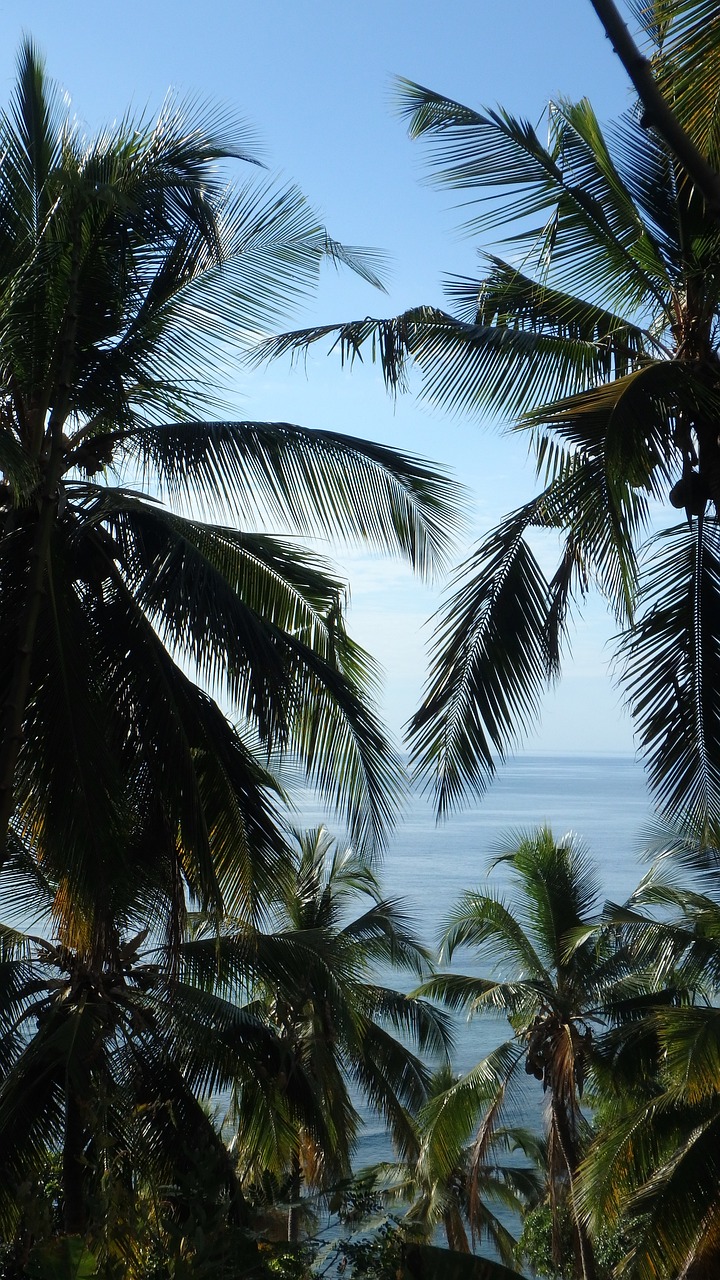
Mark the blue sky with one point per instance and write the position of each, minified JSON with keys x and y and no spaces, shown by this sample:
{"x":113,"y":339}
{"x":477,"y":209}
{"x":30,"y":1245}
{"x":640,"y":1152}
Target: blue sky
{"x":314,"y":79}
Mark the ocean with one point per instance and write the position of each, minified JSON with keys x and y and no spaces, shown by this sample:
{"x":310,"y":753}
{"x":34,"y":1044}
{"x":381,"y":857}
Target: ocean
{"x":602,"y":799}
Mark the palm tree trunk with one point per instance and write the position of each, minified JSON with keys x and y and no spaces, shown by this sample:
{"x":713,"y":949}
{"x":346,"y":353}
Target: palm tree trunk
{"x":564,"y":1136}
{"x":455,"y":1232}
{"x":74,"y":1212}
{"x":293,"y":1231}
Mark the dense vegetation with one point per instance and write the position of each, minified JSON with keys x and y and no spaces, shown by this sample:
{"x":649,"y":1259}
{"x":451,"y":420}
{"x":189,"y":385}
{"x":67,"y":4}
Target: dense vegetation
{"x":172,"y":944}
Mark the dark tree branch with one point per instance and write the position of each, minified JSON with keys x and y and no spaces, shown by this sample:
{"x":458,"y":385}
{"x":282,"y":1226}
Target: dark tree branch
{"x":658,"y":114}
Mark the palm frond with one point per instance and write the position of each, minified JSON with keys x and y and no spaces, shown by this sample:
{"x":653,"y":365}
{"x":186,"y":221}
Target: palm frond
{"x":428,"y":1027}
{"x":485,"y":922}
{"x":386,"y":935}
{"x":392,"y":1080}
{"x":592,"y":221}
{"x":669,"y":672}
{"x":491,"y":665}
{"x":315,"y":482}
{"x":689,"y":69}
{"x":450,"y":1118}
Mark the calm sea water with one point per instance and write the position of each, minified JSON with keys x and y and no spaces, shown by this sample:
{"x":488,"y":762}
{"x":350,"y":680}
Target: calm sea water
{"x":603,"y":799}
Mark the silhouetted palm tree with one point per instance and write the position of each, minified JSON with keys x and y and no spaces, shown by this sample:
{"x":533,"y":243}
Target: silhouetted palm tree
{"x":108,"y":1049}
{"x":131,"y":274}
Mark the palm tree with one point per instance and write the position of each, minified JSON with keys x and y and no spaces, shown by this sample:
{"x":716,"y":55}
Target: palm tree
{"x":337,"y":1021}
{"x":113,"y":1041}
{"x":131,"y":274}
{"x":560,"y":982}
{"x":108,"y":1049}
{"x":597,"y":337}
{"x":654,"y":1165}
{"x":456,"y":1192}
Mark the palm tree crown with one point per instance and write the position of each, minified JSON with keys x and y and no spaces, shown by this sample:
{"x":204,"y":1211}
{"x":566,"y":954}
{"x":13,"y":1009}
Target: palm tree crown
{"x":342,"y":1028}
{"x":132,"y":272}
{"x":654,"y":1165}
{"x":560,"y":982}
{"x":598,"y":337}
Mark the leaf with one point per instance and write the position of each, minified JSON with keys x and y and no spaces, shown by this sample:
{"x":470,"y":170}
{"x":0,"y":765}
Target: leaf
{"x":316,"y":482}
{"x":669,"y":672}
{"x":490,"y":668}
{"x":64,"y":1259}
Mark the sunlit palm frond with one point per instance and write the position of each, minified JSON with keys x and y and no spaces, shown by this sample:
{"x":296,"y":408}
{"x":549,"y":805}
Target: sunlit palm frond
{"x":689,"y":68}
{"x":315,"y":482}
{"x":449,"y":1118}
{"x":482,"y":921}
{"x":659,"y":1166}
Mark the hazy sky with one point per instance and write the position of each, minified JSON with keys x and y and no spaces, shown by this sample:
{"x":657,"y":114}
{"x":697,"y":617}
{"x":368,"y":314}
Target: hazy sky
{"x":314,"y":78}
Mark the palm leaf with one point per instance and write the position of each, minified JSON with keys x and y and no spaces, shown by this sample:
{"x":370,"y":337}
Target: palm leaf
{"x":594,"y":222}
{"x":669,"y":672}
{"x":689,"y":67}
{"x":491,"y":665}
{"x":418,"y":1020}
{"x":449,"y":1118}
{"x":392,"y":1080}
{"x":385,"y":935}
{"x":482,"y":921}
{"x":317,"y":482}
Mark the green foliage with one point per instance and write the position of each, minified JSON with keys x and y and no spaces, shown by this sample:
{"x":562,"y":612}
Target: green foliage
{"x":61,"y":1258}
{"x":66,"y":1258}
{"x":535,"y":1246}
{"x":289,"y":1263}
{"x":341,"y":1030}
{"x":132,"y":270}
{"x":653,"y":1171}
{"x":376,"y":1255}
{"x":129,"y":271}
{"x":562,"y":980}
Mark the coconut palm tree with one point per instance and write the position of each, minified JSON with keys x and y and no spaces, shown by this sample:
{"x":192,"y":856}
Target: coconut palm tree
{"x":596,"y":335}
{"x":338,"y":1022}
{"x":108,"y":1048}
{"x":455,"y":1192}
{"x":131,"y":273}
{"x":560,"y":983}
{"x":654,"y":1165}
{"x":114,"y":1040}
